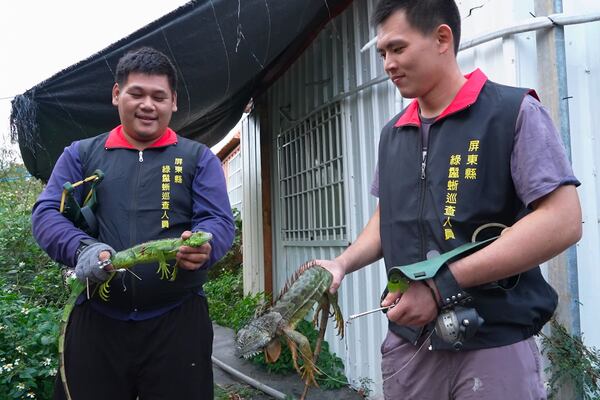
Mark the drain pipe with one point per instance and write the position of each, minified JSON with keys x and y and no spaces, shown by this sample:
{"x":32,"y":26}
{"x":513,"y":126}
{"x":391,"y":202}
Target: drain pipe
{"x":250,"y":381}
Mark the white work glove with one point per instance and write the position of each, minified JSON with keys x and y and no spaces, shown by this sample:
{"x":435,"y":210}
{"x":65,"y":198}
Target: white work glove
{"x":87,"y":263}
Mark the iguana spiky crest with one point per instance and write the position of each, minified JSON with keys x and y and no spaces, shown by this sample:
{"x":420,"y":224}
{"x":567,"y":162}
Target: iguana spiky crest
{"x":307,"y":286}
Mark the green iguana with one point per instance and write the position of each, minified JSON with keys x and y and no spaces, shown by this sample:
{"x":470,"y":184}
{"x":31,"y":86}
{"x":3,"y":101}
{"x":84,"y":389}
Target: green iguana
{"x":159,"y":251}
{"x":309,"y":285}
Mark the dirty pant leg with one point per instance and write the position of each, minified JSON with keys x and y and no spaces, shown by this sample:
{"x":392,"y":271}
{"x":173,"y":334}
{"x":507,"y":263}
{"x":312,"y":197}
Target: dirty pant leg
{"x":511,"y":371}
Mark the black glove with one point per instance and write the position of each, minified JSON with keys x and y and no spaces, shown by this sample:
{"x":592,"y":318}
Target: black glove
{"x":87,"y":263}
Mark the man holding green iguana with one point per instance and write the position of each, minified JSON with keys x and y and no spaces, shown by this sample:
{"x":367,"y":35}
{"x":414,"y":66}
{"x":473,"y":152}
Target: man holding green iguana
{"x":465,"y":153}
{"x":152,"y":338}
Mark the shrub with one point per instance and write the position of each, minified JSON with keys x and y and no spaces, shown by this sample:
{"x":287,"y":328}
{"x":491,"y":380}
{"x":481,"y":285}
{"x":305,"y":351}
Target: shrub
{"x":571,"y":360}
{"x":228,"y":306}
{"x":23,"y":265}
{"x":28,"y":351}
{"x":232,"y":260}
{"x":31,"y":295}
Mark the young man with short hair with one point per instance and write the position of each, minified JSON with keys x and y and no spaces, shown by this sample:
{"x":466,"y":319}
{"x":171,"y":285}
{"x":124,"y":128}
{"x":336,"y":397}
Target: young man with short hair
{"x":467,"y":152}
{"x":152,"y":339}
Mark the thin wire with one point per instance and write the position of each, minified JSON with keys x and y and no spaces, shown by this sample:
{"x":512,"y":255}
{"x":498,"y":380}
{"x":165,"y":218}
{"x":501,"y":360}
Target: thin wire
{"x":412,"y":358}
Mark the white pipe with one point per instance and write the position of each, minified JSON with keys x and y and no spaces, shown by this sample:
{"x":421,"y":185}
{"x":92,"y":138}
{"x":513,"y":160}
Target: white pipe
{"x":531,"y":24}
{"x":246,"y":379}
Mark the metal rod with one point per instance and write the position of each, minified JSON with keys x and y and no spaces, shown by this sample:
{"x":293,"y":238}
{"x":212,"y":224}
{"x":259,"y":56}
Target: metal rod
{"x":565,"y":130}
{"x":354,"y":316}
{"x":531,"y":24}
{"x":250,"y":381}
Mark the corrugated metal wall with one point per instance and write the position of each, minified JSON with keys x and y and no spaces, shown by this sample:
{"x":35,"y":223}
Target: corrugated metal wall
{"x":333,"y":65}
{"x":583,"y":75}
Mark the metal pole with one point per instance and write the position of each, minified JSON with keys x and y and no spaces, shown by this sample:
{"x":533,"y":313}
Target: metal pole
{"x":250,"y":381}
{"x":531,"y":24}
{"x":552,"y":67}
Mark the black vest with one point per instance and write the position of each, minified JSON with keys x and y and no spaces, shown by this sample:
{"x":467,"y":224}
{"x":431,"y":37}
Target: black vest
{"x":466,"y":183}
{"x":137,"y":195}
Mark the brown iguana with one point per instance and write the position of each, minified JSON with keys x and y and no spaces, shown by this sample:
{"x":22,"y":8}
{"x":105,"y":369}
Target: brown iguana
{"x":309,"y":285}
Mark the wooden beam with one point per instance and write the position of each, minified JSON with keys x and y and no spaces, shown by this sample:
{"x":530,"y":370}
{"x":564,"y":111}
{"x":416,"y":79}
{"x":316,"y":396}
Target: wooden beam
{"x":267,"y":217}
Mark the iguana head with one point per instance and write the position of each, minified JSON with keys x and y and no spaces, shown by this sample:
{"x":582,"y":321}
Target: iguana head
{"x":198,"y":238}
{"x":252,"y":338}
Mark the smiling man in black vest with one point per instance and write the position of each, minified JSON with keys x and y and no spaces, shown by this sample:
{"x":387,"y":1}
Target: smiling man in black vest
{"x":465,"y":153}
{"x":152,"y":338}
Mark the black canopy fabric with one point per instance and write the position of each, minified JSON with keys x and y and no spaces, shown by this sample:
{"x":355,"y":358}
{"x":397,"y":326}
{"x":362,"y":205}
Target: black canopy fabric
{"x":225,"y":51}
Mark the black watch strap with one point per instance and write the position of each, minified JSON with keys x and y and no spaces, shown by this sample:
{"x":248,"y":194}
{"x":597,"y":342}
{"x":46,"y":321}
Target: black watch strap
{"x":82,"y":245}
{"x":450,"y":292}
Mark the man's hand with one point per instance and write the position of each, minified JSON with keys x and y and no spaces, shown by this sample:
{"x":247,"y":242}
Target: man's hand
{"x":336,"y":269}
{"x":415,"y":307}
{"x":192,"y":258}
{"x":87,"y":263}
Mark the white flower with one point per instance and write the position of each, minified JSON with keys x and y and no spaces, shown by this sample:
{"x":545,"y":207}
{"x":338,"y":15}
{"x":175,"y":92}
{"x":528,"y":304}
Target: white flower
{"x":20,"y":386}
{"x":25,"y":310}
{"x":46,"y":362}
{"x":8,"y":367}
{"x":31,"y":395}
{"x":52,"y":371}
{"x":21,"y":264}
{"x":17,"y":361}
{"x":20,"y":349}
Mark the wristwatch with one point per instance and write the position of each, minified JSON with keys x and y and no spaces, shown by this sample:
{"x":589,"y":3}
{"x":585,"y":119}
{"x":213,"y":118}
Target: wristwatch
{"x":450,"y":292}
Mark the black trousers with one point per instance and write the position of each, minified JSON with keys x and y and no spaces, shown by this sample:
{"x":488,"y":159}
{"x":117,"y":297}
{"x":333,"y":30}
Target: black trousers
{"x":164,"y":358}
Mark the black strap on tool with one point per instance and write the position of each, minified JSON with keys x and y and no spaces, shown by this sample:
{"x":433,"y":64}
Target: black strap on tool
{"x":82,"y":216}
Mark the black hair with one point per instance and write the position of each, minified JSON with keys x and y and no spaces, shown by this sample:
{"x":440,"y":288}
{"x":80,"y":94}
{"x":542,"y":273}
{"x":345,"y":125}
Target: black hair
{"x":146,"y":60}
{"x":423,"y":15}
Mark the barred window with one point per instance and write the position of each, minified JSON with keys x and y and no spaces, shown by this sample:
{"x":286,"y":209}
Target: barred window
{"x":311,"y":178}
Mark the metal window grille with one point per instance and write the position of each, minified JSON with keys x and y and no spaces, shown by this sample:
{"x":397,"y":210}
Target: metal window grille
{"x":234,"y":181}
{"x":311,"y":178}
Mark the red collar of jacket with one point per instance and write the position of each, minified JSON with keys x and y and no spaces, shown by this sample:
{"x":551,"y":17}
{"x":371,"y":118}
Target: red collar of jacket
{"x":116,"y":139}
{"x":466,"y":96}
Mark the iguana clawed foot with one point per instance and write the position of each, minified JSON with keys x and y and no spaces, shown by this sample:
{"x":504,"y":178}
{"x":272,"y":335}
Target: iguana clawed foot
{"x":309,"y":285}
{"x":308,"y":369}
{"x":163,"y":269}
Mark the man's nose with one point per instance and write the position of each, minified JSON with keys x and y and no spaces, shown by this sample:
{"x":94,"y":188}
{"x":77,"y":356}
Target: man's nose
{"x":147,"y":102}
{"x":389,"y":64}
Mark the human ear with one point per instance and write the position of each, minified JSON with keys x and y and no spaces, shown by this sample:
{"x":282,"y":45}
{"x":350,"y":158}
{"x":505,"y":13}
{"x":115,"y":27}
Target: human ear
{"x":115,"y":94}
{"x":445,"y":38}
{"x":174,"y":108}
